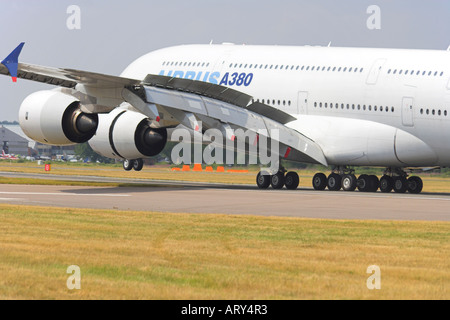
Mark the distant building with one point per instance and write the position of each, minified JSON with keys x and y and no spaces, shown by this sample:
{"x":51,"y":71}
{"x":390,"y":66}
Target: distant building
{"x":18,"y":143}
{"x":12,"y":142}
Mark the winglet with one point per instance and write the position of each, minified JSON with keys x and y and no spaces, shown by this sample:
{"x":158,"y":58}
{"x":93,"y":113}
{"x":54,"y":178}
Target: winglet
{"x":12,"y":61}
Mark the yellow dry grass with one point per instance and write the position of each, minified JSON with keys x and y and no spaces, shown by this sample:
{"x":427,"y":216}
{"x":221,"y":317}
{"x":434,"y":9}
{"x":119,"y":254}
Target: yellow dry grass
{"x":432,"y":183}
{"x":149,"y":255}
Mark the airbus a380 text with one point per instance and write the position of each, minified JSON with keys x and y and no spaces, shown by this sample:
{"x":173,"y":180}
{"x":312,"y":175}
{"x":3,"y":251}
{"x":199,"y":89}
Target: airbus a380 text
{"x":339,"y":107}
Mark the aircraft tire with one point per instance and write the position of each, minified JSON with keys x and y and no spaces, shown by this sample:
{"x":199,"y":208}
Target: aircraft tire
{"x":319,"y":181}
{"x":128,"y":164}
{"x":386,"y":184}
{"x":400,"y":184}
{"x":263,"y":180}
{"x":291,"y":180}
{"x":277,"y":180}
{"x":415,"y":185}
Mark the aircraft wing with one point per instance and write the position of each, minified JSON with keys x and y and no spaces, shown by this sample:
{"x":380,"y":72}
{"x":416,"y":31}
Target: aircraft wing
{"x":184,"y":101}
{"x":68,"y":78}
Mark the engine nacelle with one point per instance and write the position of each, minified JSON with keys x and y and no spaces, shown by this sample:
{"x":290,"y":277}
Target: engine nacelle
{"x":125,"y":134}
{"x":55,"y":118}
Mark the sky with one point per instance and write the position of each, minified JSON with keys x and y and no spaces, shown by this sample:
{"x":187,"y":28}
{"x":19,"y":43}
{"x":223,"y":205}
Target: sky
{"x":111,"y":33}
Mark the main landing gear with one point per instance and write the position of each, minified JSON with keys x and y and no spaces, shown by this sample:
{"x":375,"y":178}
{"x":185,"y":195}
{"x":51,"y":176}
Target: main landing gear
{"x":136,"y":164}
{"x":393,"y":179}
{"x":278,"y":180}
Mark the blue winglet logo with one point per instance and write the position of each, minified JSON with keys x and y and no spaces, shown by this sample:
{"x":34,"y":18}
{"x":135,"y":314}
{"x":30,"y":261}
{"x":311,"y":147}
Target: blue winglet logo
{"x":12,"y":61}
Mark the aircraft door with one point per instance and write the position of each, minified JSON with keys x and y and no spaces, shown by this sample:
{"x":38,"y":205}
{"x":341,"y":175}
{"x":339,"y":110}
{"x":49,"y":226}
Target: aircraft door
{"x":408,"y":111}
{"x":375,"y":71}
{"x":302,"y":102}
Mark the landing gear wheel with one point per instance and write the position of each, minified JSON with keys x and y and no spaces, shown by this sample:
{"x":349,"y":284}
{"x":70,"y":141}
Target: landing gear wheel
{"x":349,"y":182}
{"x":386,"y":184}
{"x":277,"y":180}
{"x":415,"y":185}
{"x":334,"y":182}
{"x":374,"y":183}
{"x":128,"y":164}
{"x":319,"y":181}
{"x":291,"y":180}
{"x":400,"y":184}
{"x":263,"y":180}
{"x":363,"y":183}
{"x":138,"y":164}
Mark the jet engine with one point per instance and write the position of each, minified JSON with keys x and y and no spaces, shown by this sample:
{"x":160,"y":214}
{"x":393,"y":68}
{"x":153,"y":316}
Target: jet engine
{"x":55,"y":118}
{"x":126,"y":134}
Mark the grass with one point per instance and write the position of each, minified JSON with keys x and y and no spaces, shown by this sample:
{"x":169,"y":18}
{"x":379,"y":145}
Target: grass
{"x":150,"y":255}
{"x":435,"y":183}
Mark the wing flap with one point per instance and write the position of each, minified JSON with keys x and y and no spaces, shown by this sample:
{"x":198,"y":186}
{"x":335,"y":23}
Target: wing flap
{"x":226,"y":114}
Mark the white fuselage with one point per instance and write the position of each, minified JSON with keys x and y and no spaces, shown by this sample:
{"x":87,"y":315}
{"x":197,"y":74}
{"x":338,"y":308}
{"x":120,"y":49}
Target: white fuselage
{"x":384,"y":107}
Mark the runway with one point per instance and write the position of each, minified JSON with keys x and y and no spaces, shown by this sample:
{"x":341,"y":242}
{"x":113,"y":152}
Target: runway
{"x":187,"y":197}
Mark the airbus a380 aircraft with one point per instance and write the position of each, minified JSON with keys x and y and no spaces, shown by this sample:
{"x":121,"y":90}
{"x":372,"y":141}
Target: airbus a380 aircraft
{"x":339,"y":107}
